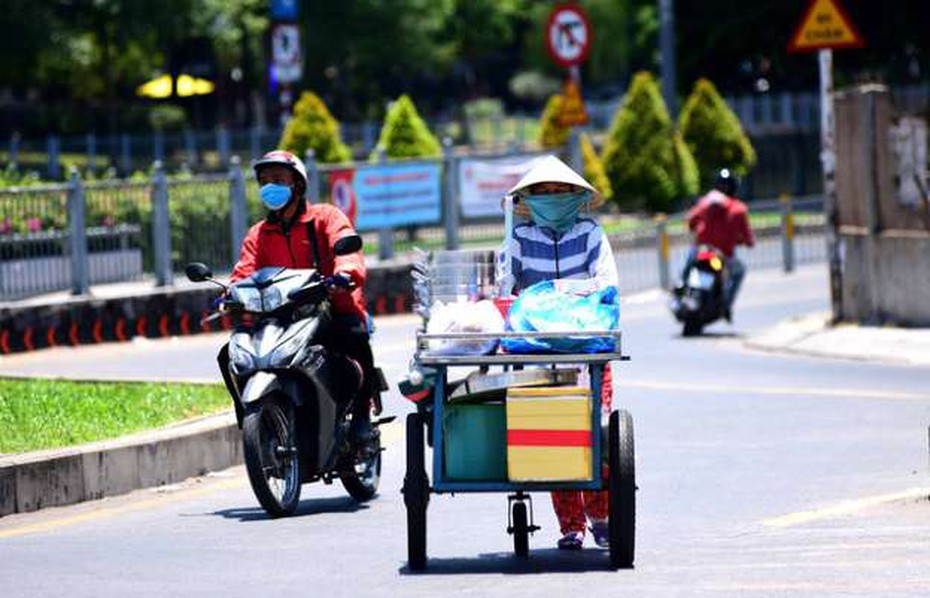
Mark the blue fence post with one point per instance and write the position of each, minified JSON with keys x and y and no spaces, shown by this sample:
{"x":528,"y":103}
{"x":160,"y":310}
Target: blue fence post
{"x":450,"y":168}
{"x":90,"y":141}
{"x":222,"y":144}
{"x":158,"y":145}
{"x":386,"y":233}
{"x":368,"y":136}
{"x":125,"y":158}
{"x":255,"y":142}
{"x":238,"y":207}
{"x":80,"y":272}
{"x":53,"y":149}
{"x":161,"y":231}
{"x":313,"y":174}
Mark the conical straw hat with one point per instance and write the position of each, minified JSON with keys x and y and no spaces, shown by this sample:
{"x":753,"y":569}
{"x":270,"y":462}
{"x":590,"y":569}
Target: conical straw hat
{"x":552,"y":170}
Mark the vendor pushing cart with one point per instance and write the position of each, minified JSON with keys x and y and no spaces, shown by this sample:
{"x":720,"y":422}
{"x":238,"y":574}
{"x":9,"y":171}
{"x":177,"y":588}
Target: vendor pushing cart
{"x":520,"y":430}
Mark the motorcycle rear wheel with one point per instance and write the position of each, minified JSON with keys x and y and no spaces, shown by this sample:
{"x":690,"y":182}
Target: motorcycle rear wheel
{"x":272,"y":459}
{"x":362,"y":483}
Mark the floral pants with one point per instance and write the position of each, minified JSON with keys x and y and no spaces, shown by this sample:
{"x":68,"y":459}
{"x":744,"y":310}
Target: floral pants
{"x":571,"y":506}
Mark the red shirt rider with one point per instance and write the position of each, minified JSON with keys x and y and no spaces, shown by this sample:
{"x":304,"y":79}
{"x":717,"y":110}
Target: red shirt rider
{"x":721,"y":221}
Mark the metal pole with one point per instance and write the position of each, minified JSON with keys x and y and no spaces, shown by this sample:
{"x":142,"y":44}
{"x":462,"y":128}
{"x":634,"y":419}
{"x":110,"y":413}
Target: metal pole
{"x":158,"y":145}
{"x":190,"y":147}
{"x":238,"y":209}
{"x":662,"y":248}
{"x":667,"y":45}
{"x":161,"y":231}
{"x":80,"y":275}
{"x":575,"y":158}
{"x":787,"y":233}
{"x":313,"y":173}
{"x":828,"y":160}
{"x":450,"y":166}
{"x":222,"y":144}
{"x":14,"y":149}
{"x":52,"y":148}
{"x":872,"y":206}
{"x":91,"y":142}
{"x":385,"y":234}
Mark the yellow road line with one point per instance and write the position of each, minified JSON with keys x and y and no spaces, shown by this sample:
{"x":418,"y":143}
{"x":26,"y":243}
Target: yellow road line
{"x":852,"y":393}
{"x":390,"y":434}
{"x":845,"y":507}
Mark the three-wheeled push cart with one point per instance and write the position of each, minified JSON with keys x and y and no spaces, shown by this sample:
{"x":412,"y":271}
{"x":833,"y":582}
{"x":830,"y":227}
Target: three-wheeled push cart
{"x":518,"y":444}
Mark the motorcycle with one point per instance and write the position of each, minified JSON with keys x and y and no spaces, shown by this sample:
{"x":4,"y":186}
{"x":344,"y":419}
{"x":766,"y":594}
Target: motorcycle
{"x":291,"y":392}
{"x":700,"y":298}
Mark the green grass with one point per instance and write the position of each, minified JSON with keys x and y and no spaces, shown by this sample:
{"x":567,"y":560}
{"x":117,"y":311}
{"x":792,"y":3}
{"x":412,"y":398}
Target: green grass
{"x":42,"y":414}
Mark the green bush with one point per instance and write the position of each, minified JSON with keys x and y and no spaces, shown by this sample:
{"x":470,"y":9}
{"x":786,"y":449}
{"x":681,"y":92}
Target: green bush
{"x":167,"y":117}
{"x":646,"y":160}
{"x":714,"y":134}
{"x":594,"y":168}
{"x":404,"y":134}
{"x":313,"y":127}
{"x":552,"y":133}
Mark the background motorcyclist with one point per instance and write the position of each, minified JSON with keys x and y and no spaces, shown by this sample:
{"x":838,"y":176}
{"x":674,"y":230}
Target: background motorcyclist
{"x":296,"y":234}
{"x":561,"y":240}
{"x":721,"y":220}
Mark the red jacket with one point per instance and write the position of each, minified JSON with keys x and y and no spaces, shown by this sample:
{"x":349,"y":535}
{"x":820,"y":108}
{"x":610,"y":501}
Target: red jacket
{"x":267,"y":244}
{"x":721,"y":221}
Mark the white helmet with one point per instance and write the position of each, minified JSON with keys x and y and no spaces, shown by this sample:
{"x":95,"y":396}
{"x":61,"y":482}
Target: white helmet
{"x":284,"y":158}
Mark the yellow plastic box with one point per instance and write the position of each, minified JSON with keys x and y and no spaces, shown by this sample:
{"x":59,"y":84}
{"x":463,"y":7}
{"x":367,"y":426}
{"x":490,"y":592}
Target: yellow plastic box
{"x":549,"y":434}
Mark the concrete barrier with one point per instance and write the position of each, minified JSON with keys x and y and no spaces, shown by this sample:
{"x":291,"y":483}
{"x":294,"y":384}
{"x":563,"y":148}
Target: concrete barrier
{"x":33,"y":481}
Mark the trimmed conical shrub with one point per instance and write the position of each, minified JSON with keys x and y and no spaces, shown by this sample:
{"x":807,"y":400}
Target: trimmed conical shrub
{"x":594,"y":168}
{"x":404,"y":134}
{"x":714,"y":134}
{"x":313,"y":127}
{"x":646,"y":160}
{"x":551,"y":132}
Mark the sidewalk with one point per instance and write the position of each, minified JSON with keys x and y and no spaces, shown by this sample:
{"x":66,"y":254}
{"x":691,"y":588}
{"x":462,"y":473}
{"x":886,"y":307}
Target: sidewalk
{"x":812,"y":334}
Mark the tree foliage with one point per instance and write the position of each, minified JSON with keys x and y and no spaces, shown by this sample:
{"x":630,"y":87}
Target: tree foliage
{"x":646,"y":160}
{"x":404,"y":134}
{"x":313,"y":127}
{"x":552,"y":133}
{"x":714,"y":134}
{"x":594,"y":168}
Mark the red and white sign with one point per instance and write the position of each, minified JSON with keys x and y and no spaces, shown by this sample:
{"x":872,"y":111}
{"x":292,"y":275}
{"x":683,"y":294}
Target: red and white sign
{"x":343,"y":193}
{"x":568,"y":35}
{"x":483,"y":183}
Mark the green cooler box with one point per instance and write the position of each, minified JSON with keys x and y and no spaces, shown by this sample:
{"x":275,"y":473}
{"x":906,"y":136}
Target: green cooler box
{"x":475,"y":437}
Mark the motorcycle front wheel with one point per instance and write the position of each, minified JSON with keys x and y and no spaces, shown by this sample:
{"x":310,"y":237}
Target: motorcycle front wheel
{"x":362,"y":482}
{"x":271,"y":457}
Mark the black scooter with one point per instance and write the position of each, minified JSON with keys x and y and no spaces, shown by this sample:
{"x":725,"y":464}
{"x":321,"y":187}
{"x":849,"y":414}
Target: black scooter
{"x":292,"y":394}
{"x":700,"y":298}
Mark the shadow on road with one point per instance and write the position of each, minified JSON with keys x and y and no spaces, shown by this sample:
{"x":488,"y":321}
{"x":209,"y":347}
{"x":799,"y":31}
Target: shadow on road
{"x":343,"y":504}
{"x":540,"y":561}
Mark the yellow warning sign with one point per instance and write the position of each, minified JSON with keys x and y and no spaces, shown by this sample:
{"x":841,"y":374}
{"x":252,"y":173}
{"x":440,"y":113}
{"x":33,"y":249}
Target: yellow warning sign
{"x":573,"y":112}
{"x":825,"y":25}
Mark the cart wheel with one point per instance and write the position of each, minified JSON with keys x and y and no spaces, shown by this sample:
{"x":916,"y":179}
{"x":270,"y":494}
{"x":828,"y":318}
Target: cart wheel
{"x":622,"y":490}
{"x":416,"y":493}
{"x":521,"y":531}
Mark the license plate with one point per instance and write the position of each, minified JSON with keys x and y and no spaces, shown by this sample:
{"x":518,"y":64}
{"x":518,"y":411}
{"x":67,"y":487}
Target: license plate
{"x":698,"y":279}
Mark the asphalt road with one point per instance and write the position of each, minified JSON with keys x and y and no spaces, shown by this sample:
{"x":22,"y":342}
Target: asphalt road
{"x":759,"y":475}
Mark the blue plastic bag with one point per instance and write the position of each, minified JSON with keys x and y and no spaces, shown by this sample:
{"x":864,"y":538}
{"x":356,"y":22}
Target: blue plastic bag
{"x":562,"y":305}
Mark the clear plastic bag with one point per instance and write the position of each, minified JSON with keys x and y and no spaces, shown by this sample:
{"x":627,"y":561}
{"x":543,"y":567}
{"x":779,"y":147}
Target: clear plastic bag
{"x":479,"y":316}
{"x":561,"y":305}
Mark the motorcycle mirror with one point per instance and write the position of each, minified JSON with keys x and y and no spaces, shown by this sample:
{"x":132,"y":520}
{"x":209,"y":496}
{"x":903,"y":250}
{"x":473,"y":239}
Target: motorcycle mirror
{"x":198,"y":272}
{"x":348,"y":244}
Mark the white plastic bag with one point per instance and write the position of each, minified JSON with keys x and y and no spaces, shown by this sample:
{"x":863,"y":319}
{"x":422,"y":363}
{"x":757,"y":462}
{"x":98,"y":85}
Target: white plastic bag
{"x":480,"y":316}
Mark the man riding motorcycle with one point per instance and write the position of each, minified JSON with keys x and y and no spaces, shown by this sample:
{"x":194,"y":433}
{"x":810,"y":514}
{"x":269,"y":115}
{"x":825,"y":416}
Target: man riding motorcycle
{"x":721,"y":220}
{"x":296,"y":234}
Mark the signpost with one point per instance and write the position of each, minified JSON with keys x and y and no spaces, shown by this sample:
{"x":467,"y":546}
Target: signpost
{"x":286,"y":55}
{"x":568,"y":39}
{"x":824,"y":27}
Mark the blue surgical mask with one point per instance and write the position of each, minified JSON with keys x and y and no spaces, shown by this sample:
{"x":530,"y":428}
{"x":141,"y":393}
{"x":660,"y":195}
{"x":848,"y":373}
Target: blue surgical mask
{"x":557,"y":211}
{"x":275,"y":196}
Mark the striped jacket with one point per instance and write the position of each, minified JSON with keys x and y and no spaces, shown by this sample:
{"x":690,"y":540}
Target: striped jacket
{"x":538,"y":253}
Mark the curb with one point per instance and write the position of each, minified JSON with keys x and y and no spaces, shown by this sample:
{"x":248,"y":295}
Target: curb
{"x":32,"y":481}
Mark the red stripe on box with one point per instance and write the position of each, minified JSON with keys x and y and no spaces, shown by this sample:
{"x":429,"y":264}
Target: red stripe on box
{"x":548,"y":438}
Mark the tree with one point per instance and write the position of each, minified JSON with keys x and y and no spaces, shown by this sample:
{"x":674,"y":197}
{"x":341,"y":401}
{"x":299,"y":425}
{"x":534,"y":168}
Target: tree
{"x":313,"y":127}
{"x":594,"y":168}
{"x":713,"y":133}
{"x":646,"y":160}
{"x":404,"y":134}
{"x":552,"y":133}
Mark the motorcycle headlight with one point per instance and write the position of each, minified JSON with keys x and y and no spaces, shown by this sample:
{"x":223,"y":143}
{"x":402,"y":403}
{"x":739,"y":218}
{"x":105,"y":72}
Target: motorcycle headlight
{"x":242,"y":359}
{"x":287,"y":349}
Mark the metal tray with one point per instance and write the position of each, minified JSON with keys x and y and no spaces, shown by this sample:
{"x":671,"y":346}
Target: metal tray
{"x":479,"y":386}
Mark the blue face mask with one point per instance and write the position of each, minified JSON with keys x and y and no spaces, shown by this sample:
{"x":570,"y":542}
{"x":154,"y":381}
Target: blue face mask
{"x":275,"y":196}
{"x":557,"y":211}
